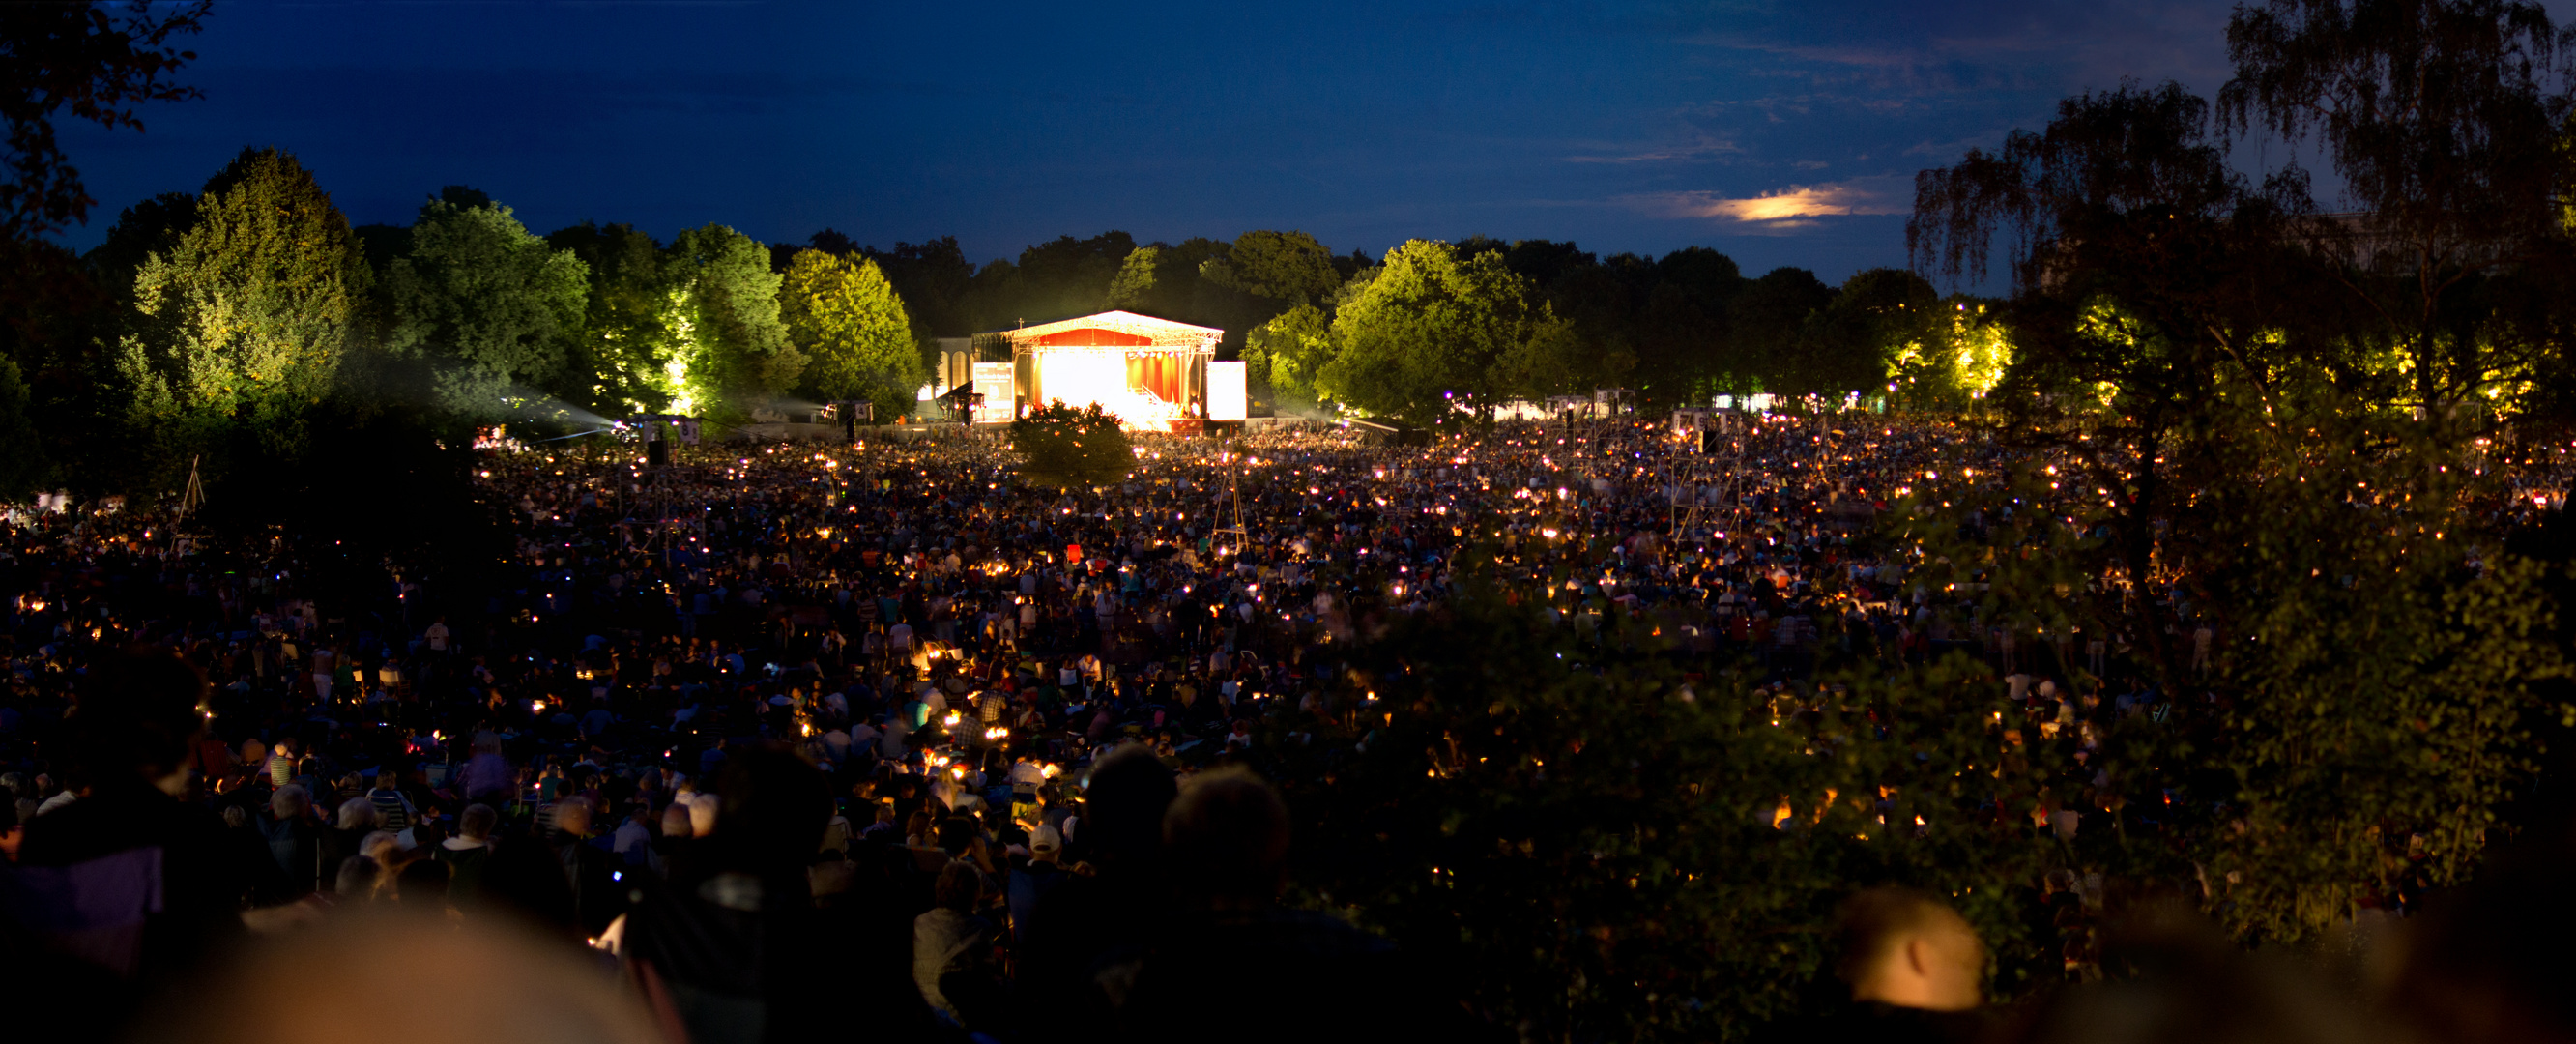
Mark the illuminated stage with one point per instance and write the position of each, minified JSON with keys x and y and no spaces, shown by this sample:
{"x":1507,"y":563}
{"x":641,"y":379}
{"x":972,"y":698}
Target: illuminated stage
{"x":1152,"y":373}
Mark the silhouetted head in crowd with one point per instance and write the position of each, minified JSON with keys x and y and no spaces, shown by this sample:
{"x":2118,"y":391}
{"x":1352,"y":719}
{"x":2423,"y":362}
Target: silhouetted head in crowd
{"x":572,"y":816}
{"x":1225,"y":840}
{"x":958,"y":888}
{"x":1123,"y":806}
{"x":368,"y":973}
{"x":476,"y":822}
{"x":956,"y":835}
{"x":775,"y":807}
{"x":1905,"y":948}
{"x":135,"y":716}
{"x":357,"y":878}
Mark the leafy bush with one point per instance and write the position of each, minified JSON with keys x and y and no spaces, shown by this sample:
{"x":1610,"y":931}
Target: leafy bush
{"x":1601,"y":847}
{"x":1068,"y":448}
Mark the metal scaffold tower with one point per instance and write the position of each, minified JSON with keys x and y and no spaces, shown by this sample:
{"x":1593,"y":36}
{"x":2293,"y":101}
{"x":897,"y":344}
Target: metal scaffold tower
{"x":1715,"y":466}
{"x":1230,"y":509}
{"x":190,"y":499}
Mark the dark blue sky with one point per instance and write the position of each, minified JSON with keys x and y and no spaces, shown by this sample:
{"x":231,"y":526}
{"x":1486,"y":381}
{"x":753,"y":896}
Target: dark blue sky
{"x":1641,"y":127}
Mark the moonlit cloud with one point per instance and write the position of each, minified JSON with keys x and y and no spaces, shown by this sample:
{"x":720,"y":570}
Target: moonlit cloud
{"x":1791,"y":207}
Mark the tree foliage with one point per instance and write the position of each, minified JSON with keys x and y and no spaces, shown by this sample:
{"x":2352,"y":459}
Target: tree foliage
{"x":1060,"y":278}
{"x":1285,"y":353}
{"x":96,"y":62}
{"x":1431,"y":330}
{"x":1678,"y":329}
{"x":2445,"y":120}
{"x":1067,"y":448}
{"x":1852,"y":342}
{"x":847,"y":320}
{"x":100,"y":60}
{"x":732,"y":354}
{"x":1606,"y":847}
{"x":1682,"y":328}
{"x":2201,"y":375}
{"x":492,"y":307}
{"x":24,"y":468}
{"x":242,"y":323}
{"x":619,"y":360}
{"x":1134,"y":286}
{"x":1290,"y":267}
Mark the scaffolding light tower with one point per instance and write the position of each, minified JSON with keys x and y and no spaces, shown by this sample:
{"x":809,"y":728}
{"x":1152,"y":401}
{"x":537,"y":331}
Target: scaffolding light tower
{"x":190,"y":499}
{"x":1233,"y":503}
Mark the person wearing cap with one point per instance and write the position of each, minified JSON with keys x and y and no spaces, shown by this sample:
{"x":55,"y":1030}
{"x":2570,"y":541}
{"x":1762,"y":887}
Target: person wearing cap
{"x":1034,"y":880}
{"x":1026,"y":776}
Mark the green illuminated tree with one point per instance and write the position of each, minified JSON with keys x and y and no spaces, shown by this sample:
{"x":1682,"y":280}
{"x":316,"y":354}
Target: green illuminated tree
{"x":734,"y":355}
{"x":847,"y":320}
{"x":1950,"y":362}
{"x":491,"y":307}
{"x":1430,"y":329}
{"x":2150,"y":271}
{"x":1290,"y":267}
{"x":1851,"y":343}
{"x":1286,"y":352}
{"x":1134,"y":287}
{"x":242,"y":322}
{"x":619,"y":362}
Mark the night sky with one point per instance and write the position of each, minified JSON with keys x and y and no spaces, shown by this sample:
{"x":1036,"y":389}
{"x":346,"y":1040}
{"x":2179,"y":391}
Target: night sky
{"x":1640,"y":127}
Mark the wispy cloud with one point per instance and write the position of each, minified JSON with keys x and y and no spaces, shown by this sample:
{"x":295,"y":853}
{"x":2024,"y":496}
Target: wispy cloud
{"x":1795,"y":206}
{"x":1702,"y":150}
{"x":1977,"y":45}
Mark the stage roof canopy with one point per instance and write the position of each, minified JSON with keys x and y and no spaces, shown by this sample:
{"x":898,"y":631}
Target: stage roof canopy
{"x":1110,"y":330}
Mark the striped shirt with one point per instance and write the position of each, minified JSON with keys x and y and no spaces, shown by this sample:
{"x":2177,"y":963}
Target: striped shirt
{"x":393,"y":810}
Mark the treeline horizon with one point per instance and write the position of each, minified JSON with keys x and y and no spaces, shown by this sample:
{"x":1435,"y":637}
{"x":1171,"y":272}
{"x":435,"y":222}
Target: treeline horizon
{"x":1679,"y":328}
{"x":224,"y":318}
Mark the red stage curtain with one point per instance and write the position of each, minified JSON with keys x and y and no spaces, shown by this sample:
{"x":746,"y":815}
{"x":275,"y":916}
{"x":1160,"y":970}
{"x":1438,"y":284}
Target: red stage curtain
{"x":1158,"y":373}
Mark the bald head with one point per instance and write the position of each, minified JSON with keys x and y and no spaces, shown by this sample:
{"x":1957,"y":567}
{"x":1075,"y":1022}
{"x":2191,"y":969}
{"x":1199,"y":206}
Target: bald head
{"x":1905,"y":948}
{"x":314,"y":985}
{"x":572,"y":816}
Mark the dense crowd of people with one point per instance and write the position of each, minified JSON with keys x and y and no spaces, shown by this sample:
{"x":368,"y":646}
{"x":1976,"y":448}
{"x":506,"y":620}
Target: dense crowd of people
{"x":805,"y":734}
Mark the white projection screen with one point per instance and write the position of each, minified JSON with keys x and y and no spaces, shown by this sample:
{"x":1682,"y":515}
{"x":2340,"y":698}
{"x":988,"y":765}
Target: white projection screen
{"x":1226,"y":400}
{"x":993,"y":382}
{"x":1081,"y":378}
